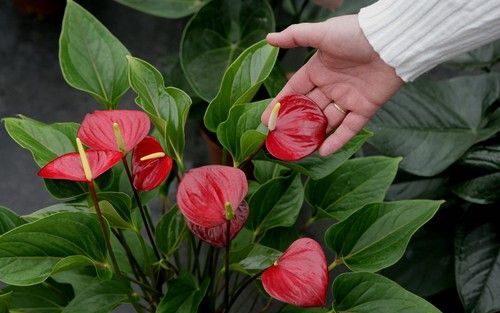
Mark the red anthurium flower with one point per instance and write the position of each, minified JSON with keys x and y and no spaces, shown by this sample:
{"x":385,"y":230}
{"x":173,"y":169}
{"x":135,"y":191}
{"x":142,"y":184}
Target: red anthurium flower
{"x":150,"y":165}
{"x":69,"y":166}
{"x":216,"y":236}
{"x":206,"y":193}
{"x":118,"y":130}
{"x":299,"y":276}
{"x":297,"y":127}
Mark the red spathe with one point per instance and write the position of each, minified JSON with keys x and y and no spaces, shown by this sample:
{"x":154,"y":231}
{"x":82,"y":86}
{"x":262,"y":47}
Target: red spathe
{"x":69,"y":166}
{"x":149,"y":174}
{"x":300,"y":129}
{"x":96,"y":130}
{"x":299,"y":276}
{"x":204,"y":191}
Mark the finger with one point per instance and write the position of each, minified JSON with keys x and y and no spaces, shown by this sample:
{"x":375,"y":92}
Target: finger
{"x":299,"y":83}
{"x":298,"y":35}
{"x":319,"y":98}
{"x":351,"y":125}
{"x":334,"y":116}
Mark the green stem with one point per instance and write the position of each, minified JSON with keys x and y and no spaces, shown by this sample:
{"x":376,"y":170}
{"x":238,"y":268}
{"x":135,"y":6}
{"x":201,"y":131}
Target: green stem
{"x":102,"y":224}
{"x":226,"y":265}
{"x":334,"y":264}
{"x":241,"y":288}
{"x":146,"y":218}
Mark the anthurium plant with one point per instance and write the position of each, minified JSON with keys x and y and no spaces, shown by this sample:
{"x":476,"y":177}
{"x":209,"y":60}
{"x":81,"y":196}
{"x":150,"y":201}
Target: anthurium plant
{"x":135,"y":226}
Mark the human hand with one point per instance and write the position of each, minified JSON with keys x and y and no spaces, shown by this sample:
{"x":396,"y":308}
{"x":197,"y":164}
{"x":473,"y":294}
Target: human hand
{"x":345,"y":70}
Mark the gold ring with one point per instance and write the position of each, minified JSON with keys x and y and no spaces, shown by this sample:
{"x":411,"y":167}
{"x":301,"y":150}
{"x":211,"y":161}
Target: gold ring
{"x":339,"y":108}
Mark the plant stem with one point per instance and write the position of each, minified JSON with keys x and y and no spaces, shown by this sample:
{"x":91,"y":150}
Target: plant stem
{"x":146,"y":218}
{"x":241,"y":288}
{"x":102,"y":224}
{"x":334,"y":264}
{"x":226,"y":265}
{"x":132,"y":260}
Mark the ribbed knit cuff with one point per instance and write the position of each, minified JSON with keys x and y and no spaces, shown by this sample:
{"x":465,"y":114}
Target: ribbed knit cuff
{"x":415,"y":36}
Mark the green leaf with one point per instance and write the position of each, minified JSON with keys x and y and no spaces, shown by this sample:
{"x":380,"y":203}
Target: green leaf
{"x":184,"y":295}
{"x":32,"y":252}
{"x":276,"y":203}
{"x":485,"y":157}
{"x":45,"y":142}
{"x":100,"y":297}
{"x":165,"y":8}
{"x":481,"y":190}
{"x":121,"y":205}
{"x":258,"y":258}
{"x":354,"y":184}
{"x":238,"y":133}
{"x":65,"y":189}
{"x":9,"y":220}
{"x":91,"y":58}
{"x":216,"y":35}
{"x":427,"y":266}
{"x":275,"y":81}
{"x":267,"y":170}
{"x":318,"y":167}
{"x":372,"y":293}
{"x":241,"y":82}
{"x":110,"y":213}
{"x":477,"y":267}
{"x":420,"y":188}
{"x":376,"y":236}
{"x":432,"y":124}
{"x":171,"y":231}
{"x":280,"y":238}
{"x":167,"y":108}
{"x":56,"y":208}
{"x":480,"y":58}
{"x":42,"y":298}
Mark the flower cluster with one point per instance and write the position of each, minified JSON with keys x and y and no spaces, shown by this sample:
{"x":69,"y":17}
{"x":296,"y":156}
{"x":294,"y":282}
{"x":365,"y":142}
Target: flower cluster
{"x":211,"y":198}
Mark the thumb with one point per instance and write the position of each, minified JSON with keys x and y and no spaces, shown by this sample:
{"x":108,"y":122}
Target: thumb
{"x":299,"y":35}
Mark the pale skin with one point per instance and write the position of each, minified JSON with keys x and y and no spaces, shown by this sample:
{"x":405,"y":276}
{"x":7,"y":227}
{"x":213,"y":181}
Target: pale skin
{"x":345,"y":70}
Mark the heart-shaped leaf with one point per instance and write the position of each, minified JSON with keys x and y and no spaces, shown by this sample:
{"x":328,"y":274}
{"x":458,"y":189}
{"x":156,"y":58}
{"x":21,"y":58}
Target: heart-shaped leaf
{"x":210,"y":44}
{"x":355,"y":183}
{"x":241,"y":82}
{"x":372,"y":293}
{"x":431,"y":124}
{"x":376,"y":236}
{"x":276,"y":203}
{"x":31,"y":252}
{"x":238,"y":133}
{"x":91,"y":58}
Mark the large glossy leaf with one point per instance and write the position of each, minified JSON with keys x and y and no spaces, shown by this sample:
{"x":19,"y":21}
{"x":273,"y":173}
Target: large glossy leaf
{"x":431,"y":124}
{"x":45,"y":142}
{"x":241,"y":82}
{"x":357,"y":182}
{"x":167,"y":107}
{"x":485,"y":157}
{"x":42,"y":298}
{"x":171,"y":231}
{"x":318,"y":167}
{"x":184,"y":295}
{"x":276,"y":203}
{"x":31,"y":252}
{"x":480,"y":58}
{"x":238,"y":132}
{"x":216,"y":35}
{"x":267,"y":170}
{"x":372,"y":293}
{"x":9,"y":220}
{"x":482,"y":189}
{"x":100,"y":297}
{"x":91,"y":58}
{"x":419,"y":188}
{"x":165,"y":8}
{"x":477,"y":267}
{"x":376,"y":236}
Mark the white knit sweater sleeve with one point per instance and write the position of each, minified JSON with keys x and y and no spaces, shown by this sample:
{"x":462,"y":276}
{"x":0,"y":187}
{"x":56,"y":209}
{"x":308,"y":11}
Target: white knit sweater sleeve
{"x":413,"y":36}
